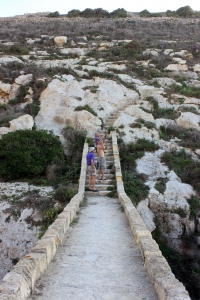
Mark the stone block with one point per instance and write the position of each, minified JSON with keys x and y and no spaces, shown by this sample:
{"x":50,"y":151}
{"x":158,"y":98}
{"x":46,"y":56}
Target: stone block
{"x":48,"y":244}
{"x":148,"y":246}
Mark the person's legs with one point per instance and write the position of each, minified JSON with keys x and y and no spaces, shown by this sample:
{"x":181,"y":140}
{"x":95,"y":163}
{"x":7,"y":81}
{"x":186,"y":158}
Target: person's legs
{"x":93,"y":182}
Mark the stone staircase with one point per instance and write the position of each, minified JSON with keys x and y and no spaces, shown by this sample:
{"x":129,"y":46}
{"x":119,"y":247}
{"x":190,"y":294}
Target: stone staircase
{"x":105,"y":186}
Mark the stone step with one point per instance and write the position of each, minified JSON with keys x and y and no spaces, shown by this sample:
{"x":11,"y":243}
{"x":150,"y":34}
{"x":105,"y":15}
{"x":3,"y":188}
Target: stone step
{"x":108,"y":181}
{"x":99,"y":193}
{"x":107,"y":176}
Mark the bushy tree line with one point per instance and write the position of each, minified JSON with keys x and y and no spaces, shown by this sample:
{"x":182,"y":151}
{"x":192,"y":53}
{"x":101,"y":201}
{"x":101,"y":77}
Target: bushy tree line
{"x":97,"y":12}
{"x":182,"y":12}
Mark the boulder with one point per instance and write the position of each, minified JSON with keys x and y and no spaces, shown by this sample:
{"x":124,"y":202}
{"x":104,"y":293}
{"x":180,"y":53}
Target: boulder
{"x":23,"y":122}
{"x":24,"y":79}
{"x":197,"y":68}
{"x":60,"y":40}
{"x":189,"y":120}
{"x":4,"y":130}
{"x":168,"y":51}
{"x":30,"y":42}
{"x":176,"y":67}
{"x":194,"y":83}
{"x":179,"y":60}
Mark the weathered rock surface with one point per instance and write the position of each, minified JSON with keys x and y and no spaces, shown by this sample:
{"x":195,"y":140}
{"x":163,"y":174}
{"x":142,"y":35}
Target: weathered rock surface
{"x":23,"y":122}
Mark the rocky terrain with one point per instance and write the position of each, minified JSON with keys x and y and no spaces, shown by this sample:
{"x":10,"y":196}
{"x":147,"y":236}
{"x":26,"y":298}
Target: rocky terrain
{"x":76,"y":72}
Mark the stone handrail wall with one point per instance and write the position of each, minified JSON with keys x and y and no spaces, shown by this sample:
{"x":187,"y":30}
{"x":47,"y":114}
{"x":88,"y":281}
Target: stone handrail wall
{"x":166,"y":286}
{"x":20,"y":282}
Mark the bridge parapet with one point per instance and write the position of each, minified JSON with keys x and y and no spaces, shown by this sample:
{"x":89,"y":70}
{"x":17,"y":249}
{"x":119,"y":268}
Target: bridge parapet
{"x":165,"y":284}
{"x":20,"y":282}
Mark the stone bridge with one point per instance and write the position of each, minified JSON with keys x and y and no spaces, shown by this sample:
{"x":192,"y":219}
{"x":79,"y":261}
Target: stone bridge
{"x":106,"y":253}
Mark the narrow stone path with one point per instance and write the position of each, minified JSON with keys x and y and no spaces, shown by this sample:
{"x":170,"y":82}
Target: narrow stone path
{"x":98,"y":259}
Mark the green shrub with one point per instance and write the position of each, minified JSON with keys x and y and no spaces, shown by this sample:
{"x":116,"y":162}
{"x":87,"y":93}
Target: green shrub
{"x":64,"y":194}
{"x":32,"y":108}
{"x":161,"y":185}
{"x":86,"y":107}
{"x":190,"y":138}
{"x":186,"y":90}
{"x":111,"y":128}
{"x":90,"y":141}
{"x":27,"y":153}
{"x":54,"y":14}
{"x":194,"y":206}
{"x":134,"y":187}
{"x":16,"y":49}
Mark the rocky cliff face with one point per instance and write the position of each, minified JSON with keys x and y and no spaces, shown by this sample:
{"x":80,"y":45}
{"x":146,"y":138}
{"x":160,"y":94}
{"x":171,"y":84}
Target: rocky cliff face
{"x":154,"y":89}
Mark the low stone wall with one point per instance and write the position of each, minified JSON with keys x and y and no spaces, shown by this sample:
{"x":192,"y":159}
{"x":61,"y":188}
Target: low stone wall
{"x":20,"y":282}
{"x":166,"y":286}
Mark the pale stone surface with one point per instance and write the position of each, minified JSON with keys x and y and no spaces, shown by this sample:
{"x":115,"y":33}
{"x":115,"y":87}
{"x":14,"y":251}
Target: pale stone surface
{"x":8,"y":59}
{"x":98,"y":258}
{"x":23,"y":122}
{"x":4,"y":130}
{"x":60,"y":40}
{"x":164,"y":122}
{"x":197,"y":68}
{"x":60,"y":98}
{"x":165,"y":81}
{"x":146,"y":91}
{"x":150,"y":165}
{"x":176,"y":67}
{"x":168,"y":51}
{"x":24,"y":79}
{"x":146,"y":214}
{"x":79,"y":51}
{"x":189,"y":120}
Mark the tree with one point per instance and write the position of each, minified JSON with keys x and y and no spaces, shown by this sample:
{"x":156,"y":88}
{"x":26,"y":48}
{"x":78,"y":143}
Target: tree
{"x":119,"y":13}
{"x":74,"y":13}
{"x":27,"y":153}
{"x":144,"y":13}
{"x":185,"y":11}
{"x":54,"y":14}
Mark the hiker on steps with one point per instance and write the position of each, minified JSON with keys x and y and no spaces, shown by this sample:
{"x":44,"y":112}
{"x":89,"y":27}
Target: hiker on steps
{"x":101,"y":163}
{"x":91,"y":169}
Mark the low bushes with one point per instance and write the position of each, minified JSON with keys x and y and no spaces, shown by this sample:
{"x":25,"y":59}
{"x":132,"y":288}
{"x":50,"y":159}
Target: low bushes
{"x":190,"y":138}
{"x":27,"y":153}
{"x":86,"y":107}
{"x":134,"y":182}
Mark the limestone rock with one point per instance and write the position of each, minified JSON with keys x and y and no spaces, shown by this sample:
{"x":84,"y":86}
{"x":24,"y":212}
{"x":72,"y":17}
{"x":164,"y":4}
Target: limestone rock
{"x":4,"y":91}
{"x":24,"y":79}
{"x":4,"y":130}
{"x":197,"y":68}
{"x":176,"y":67}
{"x":8,"y":59}
{"x":14,"y":92}
{"x":78,"y":51}
{"x":165,"y":81}
{"x":168,"y":51}
{"x":147,"y":91}
{"x":23,"y":122}
{"x":189,"y":120}
{"x":60,"y":40}
{"x":179,"y":60}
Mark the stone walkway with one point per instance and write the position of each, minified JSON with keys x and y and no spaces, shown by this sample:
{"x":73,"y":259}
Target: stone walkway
{"x":98,"y":260}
